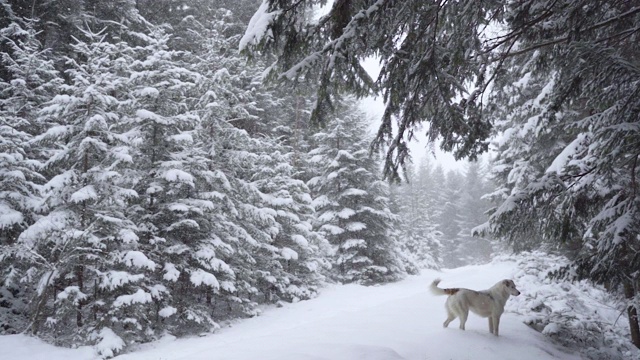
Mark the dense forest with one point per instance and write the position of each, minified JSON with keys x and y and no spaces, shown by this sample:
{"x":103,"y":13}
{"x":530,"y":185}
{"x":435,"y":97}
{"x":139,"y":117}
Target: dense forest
{"x":169,"y":165}
{"x":152,"y":181}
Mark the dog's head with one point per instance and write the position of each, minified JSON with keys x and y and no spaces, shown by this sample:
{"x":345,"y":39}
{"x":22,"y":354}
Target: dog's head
{"x":511,"y":287}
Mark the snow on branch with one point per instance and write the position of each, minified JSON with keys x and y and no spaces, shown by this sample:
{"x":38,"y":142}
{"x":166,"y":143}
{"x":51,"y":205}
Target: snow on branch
{"x":9,"y":217}
{"x":167,"y":311}
{"x":300,"y":240}
{"x":332,"y":229}
{"x":289,"y":254}
{"x":108,"y":342}
{"x":186,"y":223}
{"x":336,"y":48}
{"x":354,"y":192}
{"x":128,"y":236}
{"x":176,"y":175}
{"x":138,"y":260}
{"x":201,"y":277}
{"x":139,"y":297}
{"x":43,"y":227}
{"x":354,"y":243}
{"x":578,"y":145}
{"x":356,"y":226}
{"x":72,"y":293}
{"x":86,"y":193}
{"x":258,"y":28}
{"x":114,"y":279}
{"x":171,"y":273}
{"x":346,"y":213}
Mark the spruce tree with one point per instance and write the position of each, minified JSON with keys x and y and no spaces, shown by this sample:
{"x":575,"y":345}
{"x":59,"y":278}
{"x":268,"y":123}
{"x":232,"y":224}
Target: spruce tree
{"x":450,"y":219}
{"x":569,"y":159}
{"x":473,"y":208}
{"x":352,"y":204}
{"x":32,"y":81}
{"x":417,"y":227}
{"x":173,"y":213}
{"x":273,"y":208}
{"x":29,"y":80}
{"x":83,"y":253}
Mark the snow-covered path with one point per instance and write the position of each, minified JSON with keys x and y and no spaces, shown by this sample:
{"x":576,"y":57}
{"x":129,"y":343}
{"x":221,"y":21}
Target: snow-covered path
{"x":391,"y":322}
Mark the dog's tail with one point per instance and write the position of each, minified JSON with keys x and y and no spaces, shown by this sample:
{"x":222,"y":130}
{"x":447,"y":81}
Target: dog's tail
{"x":435,"y":289}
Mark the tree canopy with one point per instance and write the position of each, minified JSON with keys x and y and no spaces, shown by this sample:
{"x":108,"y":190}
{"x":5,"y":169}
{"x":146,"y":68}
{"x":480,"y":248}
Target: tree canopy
{"x":438,"y":58}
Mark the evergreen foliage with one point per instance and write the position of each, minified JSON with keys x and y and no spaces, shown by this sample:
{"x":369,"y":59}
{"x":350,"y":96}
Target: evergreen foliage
{"x":428,"y":51}
{"x":416,"y":209}
{"x":450,"y":217}
{"x":576,"y":125}
{"x":72,"y":250}
{"x":568,"y":159}
{"x":29,"y":80}
{"x":353,"y":204}
{"x":474,"y":205}
{"x":438,"y":214}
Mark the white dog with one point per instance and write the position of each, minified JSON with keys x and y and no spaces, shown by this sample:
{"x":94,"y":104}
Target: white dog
{"x":486,"y":303}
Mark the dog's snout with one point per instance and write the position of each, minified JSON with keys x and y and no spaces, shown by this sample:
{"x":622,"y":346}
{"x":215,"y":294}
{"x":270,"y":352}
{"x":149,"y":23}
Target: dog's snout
{"x":517,"y":292}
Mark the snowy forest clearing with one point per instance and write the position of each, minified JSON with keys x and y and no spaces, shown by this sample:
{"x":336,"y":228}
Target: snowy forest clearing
{"x":402,"y":320}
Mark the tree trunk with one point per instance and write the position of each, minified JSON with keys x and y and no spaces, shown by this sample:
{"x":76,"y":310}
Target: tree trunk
{"x":80,"y":279}
{"x":35,"y":322}
{"x":632,"y":313}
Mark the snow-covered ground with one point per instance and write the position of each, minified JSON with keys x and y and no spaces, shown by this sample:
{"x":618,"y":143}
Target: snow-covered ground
{"x":396,"y":321}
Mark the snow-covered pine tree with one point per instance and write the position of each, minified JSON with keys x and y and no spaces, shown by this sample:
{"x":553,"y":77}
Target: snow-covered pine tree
{"x":288,"y":114}
{"x":62,"y":20}
{"x":352,"y":203}
{"x":83,"y":253}
{"x":241,"y":228}
{"x":273,"y":207}
{"x":31,"y":81}
{"x":572,"y":157}
{"x":527,"y":140}
{"x":417,"y":230}
{"x":473,"y":207}
{"x":173,"y":176}
{"x":435,"y":185}
{"x":28,"y":80}
{"x":430,"y":181}
{"x":297,"y":250}
{"x":450,"y":218}
{"x":243,"y":223}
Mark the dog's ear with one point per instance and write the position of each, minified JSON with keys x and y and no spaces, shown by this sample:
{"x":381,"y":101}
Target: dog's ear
{"x":506,"y":282}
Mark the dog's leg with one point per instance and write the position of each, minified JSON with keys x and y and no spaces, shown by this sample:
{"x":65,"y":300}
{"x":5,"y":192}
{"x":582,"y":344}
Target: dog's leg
{"x":491,"y":324}
{"x":496,"y":324}
{"x":464,"y":314}
{"x":450,"y":317}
